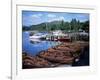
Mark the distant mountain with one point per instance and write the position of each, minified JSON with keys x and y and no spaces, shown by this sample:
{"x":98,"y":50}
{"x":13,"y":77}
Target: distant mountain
{"x":46,"y":26}
{"x":58,"y":25}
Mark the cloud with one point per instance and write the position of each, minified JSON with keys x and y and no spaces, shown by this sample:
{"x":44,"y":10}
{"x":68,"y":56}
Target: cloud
{"x":32,"y":19}
{"x":61,"y":18}
{"x":51,"y":15}
{"x":36,"y":15}
{"x":56,"y":19}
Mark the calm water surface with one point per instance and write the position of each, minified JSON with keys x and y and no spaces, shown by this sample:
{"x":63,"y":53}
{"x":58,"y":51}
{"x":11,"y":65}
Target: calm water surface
{"x":34,"y":48}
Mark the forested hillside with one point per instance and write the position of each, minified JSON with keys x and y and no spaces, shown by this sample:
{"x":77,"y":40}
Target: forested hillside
{"x":73,"y":25}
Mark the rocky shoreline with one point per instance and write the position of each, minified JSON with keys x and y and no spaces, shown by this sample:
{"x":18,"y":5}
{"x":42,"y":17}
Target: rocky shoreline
{"x":64,"y":54}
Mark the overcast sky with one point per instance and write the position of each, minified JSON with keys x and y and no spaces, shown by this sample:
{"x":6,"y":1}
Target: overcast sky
{"x":37,"y":17}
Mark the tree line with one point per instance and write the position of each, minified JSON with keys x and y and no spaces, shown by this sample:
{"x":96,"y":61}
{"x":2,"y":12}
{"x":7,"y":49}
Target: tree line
{"x":73,"y":25}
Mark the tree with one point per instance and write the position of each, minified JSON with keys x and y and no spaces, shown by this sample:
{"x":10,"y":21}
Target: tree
{"x":67,"y":26}
{"x":73,"y":24}
{"x":78,"y":25}
{"x":85,"y":26}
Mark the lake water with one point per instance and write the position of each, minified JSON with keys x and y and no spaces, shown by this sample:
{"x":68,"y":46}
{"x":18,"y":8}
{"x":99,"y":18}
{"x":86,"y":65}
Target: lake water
{"x":33,"y":48}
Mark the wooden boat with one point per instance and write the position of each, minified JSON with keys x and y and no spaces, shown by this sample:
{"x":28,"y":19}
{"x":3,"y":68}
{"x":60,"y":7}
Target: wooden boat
{"x":58,"y":57}
{"x":36,"y":62}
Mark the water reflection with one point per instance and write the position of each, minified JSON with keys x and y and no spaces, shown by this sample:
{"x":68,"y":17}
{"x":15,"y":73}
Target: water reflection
{"x":34,"y":46}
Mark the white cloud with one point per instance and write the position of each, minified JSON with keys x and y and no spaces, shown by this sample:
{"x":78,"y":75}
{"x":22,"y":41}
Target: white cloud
{"x":61,"y":18}
{"x":51,"y":15}
{"x":36,"y":15}
{"x":56,"y":19}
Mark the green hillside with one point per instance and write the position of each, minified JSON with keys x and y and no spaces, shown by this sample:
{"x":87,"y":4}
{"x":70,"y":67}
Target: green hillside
{"x":74,"y":25}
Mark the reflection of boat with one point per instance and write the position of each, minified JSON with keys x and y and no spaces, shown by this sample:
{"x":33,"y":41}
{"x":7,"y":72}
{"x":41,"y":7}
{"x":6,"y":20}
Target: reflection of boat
{"x":35,"y":40}
{"x":38,"y":36}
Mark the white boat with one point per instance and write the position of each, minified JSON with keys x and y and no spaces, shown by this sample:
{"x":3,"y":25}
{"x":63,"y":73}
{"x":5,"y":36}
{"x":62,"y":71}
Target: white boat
{"x":84,"y":33}
{"x":57,"y":32}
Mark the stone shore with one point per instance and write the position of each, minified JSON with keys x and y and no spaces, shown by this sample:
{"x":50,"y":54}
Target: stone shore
{"x":64,"y":54}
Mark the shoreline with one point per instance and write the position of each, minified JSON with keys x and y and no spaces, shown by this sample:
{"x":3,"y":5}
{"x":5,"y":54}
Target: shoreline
{"x":59,"y":56}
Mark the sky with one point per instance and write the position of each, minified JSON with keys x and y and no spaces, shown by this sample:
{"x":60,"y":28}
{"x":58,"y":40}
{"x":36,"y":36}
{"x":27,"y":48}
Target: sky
{"x":37,"y":17}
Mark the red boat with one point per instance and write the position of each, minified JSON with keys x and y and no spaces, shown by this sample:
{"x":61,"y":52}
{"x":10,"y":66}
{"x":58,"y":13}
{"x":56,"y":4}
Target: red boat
{"x":64,"y":40}
{"x":60,"y":38}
